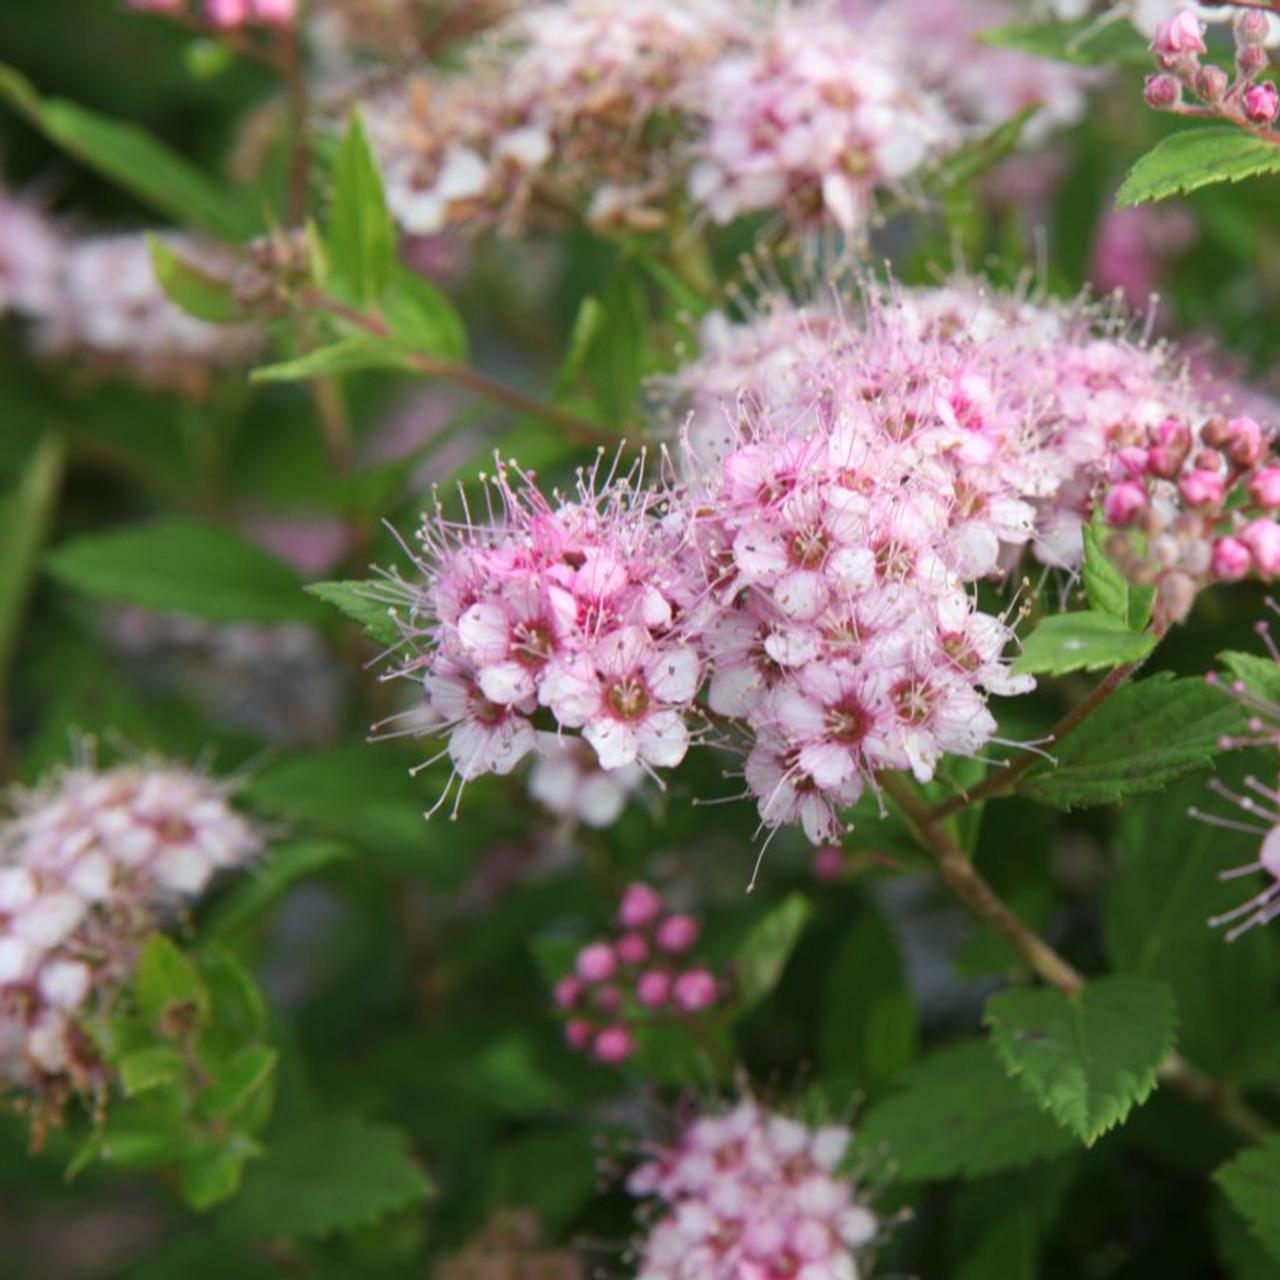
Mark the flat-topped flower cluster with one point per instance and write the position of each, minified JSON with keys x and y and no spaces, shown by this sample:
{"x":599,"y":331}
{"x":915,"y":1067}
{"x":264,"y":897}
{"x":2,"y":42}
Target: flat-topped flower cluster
{"x":800,"y":584}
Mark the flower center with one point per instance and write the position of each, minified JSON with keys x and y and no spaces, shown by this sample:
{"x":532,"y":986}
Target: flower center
{"x":809,"y":547}
{"x":847,"y":722}
{"x":628,"y":698}
{"x":534,"y":643}
{"x":913,"y":700}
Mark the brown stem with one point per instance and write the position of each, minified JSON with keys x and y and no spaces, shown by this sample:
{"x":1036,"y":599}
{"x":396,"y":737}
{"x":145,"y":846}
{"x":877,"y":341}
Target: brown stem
{"x":580,"y":429}
{"x":1003,"y":781}
{"x":964,"y":880}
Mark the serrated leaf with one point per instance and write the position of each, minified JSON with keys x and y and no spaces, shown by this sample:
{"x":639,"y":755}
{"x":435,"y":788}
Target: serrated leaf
{"x":348,"y":355}
{"x":1107,"y":589}
{"x":207,"y":1178}
{"x":361,"y":602}
{"x":1085,"y":41}
{"x":362,"y":237}
{"x":421,"y":317}
{"x":958,"y":1113}
{"x":1087,"y":641}
{"x":1252,"y":1184}
{"x":1260,"y":676}
{"x":334,"y":1174}
{"x":137,"y":161}
{"x":267,"y":881}
{"x":189,"y":288}
{"x":150,"y":1068}
{"x":1140,"y":740}
{"x":167,"y":984}
{"x":763,"y":953}
{"x":182,"y":566}
{"x":1195,"y":158}
{"x":1087,"y":1059}
{"x":244,"y":1077}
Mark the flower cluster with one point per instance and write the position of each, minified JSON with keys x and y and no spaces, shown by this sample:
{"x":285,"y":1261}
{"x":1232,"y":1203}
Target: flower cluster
{"x":751,"y":1195}
{"x":225,"y":15}
{"x":1242,"y":99}
{"x":567,"y":779}
{"x":30,"y":258}
{"x":627,"y":981}
{"x":90,"y":864}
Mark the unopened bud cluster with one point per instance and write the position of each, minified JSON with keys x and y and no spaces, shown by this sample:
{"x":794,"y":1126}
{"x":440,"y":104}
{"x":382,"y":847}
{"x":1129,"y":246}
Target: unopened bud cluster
{"x":753,"y":1195}
{"x":1240,"y":98}
{"x":634,"y":977}
{"x":91,"y":863}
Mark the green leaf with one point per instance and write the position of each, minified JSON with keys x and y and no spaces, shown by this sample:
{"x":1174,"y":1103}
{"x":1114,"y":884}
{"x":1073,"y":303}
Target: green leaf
{"x":334,"y":1174}
{"x":763,"y":953}
{"x":1252,"y":1184}
{"x":1242,"y":1256}
{"x":362,"y":237}
{"x":195,"y":291}
{"x":958,"y":1113}
{"x":1140,"y":740}
{"x":977,"y":157}
{"x":348,"y":355}
{"x":587,"y":324}
{"x":1195,"y":158}
{"x":1080,"y":642}
{"x":207,"y":1178}
{"x":167,"y":984}
{"x":266,"y":882}
{"x":239,"y":1012}
{"x":868,"y":1030}
{"x":1107,"y":589}
{"x":363,"y":603}
{"x":1090,"y":1058}
{"x":150,"y":1068}
{"x":182,"y":566}
{"x":137,"y":161}
{"x":1165,"y":888}
{"x":243,"y":1078}
{"x":1086,"y":41}
{"x":421,"y":317}
{"x":1259,"y":675}
{"x":616,"y":359}
{"x":516,"y":1175}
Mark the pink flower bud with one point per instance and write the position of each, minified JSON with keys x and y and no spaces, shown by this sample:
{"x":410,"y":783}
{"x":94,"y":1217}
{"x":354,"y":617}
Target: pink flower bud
{"x":1201,"y":489}
{"x":1161,"y":92}
{"x":1173,"y":443}
{"x":608,"y":1000}
{"x":1264,"y":488}
{"x":1250,"y":60}
{"x":275,"y":13}
{"x":632,"y":949}
{"x":578,"y":1033}
{"x":613,"y":1045}
{"x":828,"y":863}
{"x":597,"y":963}
{"x":1244,"y":443}
{"x":1125,"y":503}
{"x":677,"y":933}
{"x":1211,"y":83}
{"x":568,"y":991}
{"x":694,"y":991}
{"x":640,"y":906}
{"x":1251,"y":27}
{"x":1183,"y":33}
{"x":1262,"y":537}
{"x":653,"y":988}
{"x":1261,"y":103}
{"x":1129,"y":463}
{"x":226,"y":14}
{"x":1230,"y":560}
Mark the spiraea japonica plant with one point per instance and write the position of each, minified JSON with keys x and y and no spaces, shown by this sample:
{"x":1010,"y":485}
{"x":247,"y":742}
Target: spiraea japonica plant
{"x":635,"y":640}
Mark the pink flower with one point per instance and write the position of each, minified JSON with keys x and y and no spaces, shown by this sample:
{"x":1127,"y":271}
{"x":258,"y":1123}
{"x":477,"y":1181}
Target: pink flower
{"x":597,"y":963}
{"x":1124,"y":503}
{"x":613,"y":1046}
{"x":640,"y":906}
{"x":1181,"y":34}
{"x":653,"y":988}
{"x":694,"y":991}
{"x":1264,"y":488}
{"x":1261,"y":103}
{"x":677,"y":933}
{"x":632,"y":949}
{"x":1230,"y":561}
{"x":1262,"y":537}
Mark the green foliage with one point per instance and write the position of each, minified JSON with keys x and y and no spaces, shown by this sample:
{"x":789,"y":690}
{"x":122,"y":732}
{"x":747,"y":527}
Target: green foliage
{"x":177,"y":565}
{"x":362,"y":237}
{"x":199,"y":294}
{"x":1140,"y":740}
{"x":1087,"y":41}
{"x":268,"y":881}
{"x":1090,"y":641}
{"x":1252,"y":1184}
{"x":354,"y":354}
{"x":1107,"y":589}
{"x":959,"y":1114}
{"x":763,"y":954}
{"x":1087,"y":1059}
{"x":1195,"y":158}
{"x":334,"y":1174}
{"x":361,"y":602}
{"x":135,"y":160}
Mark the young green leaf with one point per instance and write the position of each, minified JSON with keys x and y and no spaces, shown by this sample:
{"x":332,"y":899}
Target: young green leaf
{"x":334,"y":1174}
{"x":421,"y":318}
{"x":348,"y":355}
{"x":362,"y":237}
{"x":764,"y":952}
{"x":137,"y":161}
{"x":1087,"y":1059}
{"x":958,"y":1113}
{"x":1252,"y":1184}
{"x":1195,"y":158}
{"x":150,"y":1068}
{"x":239,"y":1082}
{"x":1140,"y":740}
{"x":182,"y":566}
{"x":196,"y":292}
{"x":361,"y":603}
{"x":1107,"y":589}
{"x":168,"y":987}
{"x":1080,"y":642}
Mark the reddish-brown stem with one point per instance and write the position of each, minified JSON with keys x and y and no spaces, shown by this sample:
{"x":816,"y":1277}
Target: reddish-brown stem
{"x":1003,"y":781}
{"x":580,"y":429}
